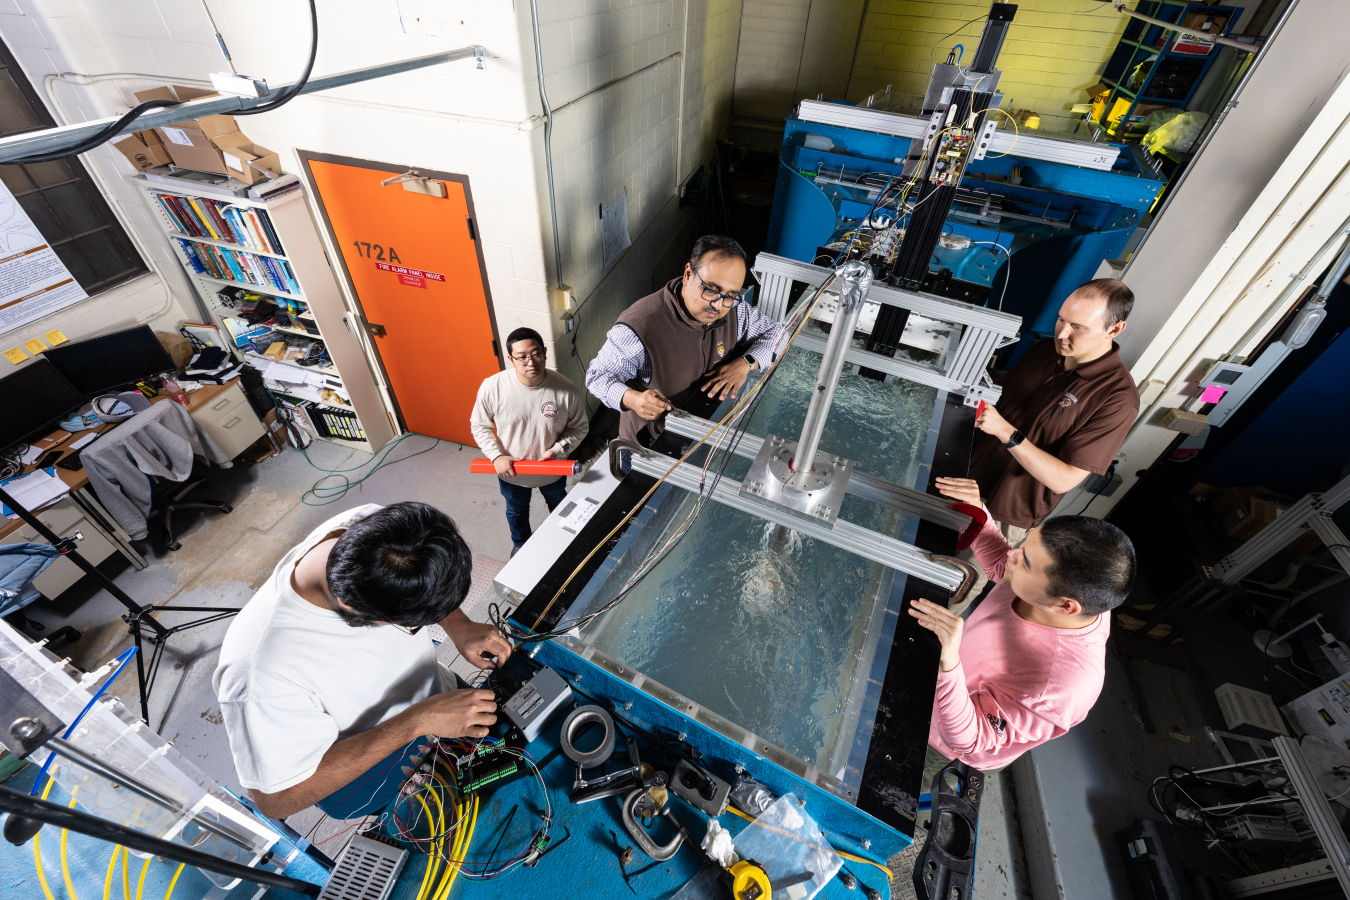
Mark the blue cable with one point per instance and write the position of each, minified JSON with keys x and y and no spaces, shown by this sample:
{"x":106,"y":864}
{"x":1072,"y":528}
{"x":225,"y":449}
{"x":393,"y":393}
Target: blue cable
{"x":122,"y":660}
{"x":962,"y":48}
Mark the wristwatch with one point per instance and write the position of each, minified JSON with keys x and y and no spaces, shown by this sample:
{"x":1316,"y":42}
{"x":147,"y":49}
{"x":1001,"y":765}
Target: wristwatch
{"x":750,"y":359}
{"x":1017,"y":438}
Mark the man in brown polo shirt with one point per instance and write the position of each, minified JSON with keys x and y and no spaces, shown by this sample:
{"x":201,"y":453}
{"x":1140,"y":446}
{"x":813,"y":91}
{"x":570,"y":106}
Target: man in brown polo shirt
{"x":1065,"y":411}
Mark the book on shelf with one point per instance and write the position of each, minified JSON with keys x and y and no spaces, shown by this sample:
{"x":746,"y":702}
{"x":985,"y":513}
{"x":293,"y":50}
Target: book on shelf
{"x":237,"y":265}
{"x":202,"y":217}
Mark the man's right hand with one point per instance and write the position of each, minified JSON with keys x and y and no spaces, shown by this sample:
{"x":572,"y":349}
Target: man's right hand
{"x":648,"y":404}
{"x":452,"y":714}
{"x":504,"y":465}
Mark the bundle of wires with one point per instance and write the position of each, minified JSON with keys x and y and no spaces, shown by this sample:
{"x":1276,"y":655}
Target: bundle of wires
{"x":441,"y":818}
{"x":729,"y":431}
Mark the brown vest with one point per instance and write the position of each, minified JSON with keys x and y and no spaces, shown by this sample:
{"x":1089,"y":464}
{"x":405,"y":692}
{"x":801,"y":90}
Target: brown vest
{"x":679,"y":351}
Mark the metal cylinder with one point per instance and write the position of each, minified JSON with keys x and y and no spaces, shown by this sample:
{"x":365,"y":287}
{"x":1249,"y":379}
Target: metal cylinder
{"x":857,"y":279}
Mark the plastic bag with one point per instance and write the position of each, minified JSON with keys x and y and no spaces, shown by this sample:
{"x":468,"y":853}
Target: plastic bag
{"x":751,"y":796}
{"x":1177,"y":134}
{"x":786,"y":841}
{"x":1160,"y":117}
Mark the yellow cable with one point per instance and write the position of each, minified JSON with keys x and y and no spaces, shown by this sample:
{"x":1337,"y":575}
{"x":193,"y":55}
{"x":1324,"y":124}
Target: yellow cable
{"x":452,"y":860}
{"x":37,"y":851}
{"x":140,"y":885}
{"x":463,"y":851}
{"x":126,"y":879}
{"x":174,"y":881}
{"x":848,"y":856}
{"x":434,"y":862}
{"x":112,"y":867}
{"x":1017,"y":132}
{"x":65,"y":866}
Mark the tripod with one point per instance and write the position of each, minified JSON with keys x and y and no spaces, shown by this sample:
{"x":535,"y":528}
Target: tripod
{"x":136,"y":616}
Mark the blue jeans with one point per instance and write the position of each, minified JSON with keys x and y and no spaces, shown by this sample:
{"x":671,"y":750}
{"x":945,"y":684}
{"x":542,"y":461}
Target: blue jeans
{"x":518,"y":505}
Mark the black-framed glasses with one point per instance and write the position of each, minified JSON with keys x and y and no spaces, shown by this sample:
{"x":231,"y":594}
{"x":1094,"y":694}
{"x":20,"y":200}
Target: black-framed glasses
{"x":537,"y":356}
{"x":717,"y":298}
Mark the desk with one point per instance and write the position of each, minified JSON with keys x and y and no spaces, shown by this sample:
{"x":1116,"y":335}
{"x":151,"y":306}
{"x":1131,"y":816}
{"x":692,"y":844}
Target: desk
{"x":221,"y":410}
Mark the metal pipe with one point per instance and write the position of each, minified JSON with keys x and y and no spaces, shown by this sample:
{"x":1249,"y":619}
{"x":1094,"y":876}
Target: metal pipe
{"x":98,"y":766}
{"x":857,"y":278}
{"x":1172,"y":26}
{"x":49,"y":139}
{"x":20,"y":804}
{"x":548,"y":143}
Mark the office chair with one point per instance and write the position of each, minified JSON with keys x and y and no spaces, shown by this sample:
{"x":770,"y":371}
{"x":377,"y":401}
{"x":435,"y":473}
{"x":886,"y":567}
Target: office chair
{"x":168,"y":497}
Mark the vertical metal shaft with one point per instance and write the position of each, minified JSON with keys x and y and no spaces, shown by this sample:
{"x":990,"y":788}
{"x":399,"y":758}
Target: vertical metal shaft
{"x":857,"y":279}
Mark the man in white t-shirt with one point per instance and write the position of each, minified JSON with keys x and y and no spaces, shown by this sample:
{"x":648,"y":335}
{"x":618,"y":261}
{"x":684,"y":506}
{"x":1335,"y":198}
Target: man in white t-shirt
{"x":527,"y":412}
{"x":327,"y":678}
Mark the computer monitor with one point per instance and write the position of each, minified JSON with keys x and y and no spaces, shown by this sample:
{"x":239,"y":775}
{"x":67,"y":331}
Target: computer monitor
{"x":111,"y":362}
{"x":34,"y":399}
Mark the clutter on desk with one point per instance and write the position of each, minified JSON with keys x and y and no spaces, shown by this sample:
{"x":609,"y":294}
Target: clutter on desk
{"x":114,"y":408}
{"x":33,"y":491}
{"x":81,"y":421}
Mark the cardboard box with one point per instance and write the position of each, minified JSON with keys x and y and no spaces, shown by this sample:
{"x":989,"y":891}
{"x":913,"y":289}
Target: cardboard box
{"x":189,"y":142}
{"x":238,"y":151}
{"x":1184,"y":421}
{"x":1243,"y":511}
{"x":179,"y":349}
{"x":144,"y":150}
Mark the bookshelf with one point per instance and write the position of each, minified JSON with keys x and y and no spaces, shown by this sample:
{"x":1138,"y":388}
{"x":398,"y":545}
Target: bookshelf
{"x":270,"y":247}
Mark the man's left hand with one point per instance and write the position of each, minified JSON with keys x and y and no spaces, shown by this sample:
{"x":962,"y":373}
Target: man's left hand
{"x":947,"y":625}
{"x":477,"y":642}
{"x":726,"y":378}
{"x":990,"y":422}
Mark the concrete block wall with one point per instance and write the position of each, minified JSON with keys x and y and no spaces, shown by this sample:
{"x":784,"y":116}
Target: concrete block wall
{"x":639,"y":90}
{"x":1054,"y":50}
{"x":773,"y":34}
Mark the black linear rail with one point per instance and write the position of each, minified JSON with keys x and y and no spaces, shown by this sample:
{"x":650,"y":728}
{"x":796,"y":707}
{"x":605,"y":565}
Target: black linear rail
{"x":900,"y":736}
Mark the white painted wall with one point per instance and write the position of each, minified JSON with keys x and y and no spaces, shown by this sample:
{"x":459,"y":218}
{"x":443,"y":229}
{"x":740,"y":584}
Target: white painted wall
{"x":640,"y":90}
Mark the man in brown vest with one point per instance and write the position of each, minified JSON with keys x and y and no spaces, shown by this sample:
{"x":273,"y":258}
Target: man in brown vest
{"x":695,"y":329}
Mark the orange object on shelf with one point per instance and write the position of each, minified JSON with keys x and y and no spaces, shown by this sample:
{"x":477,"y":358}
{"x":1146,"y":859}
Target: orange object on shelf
{"x":483,"y":466}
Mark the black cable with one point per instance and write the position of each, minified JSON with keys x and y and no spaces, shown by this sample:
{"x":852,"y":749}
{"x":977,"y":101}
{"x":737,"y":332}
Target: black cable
{"x":1106,"y":479}
{"x":299,"y":85}
{"x":102,"y":137}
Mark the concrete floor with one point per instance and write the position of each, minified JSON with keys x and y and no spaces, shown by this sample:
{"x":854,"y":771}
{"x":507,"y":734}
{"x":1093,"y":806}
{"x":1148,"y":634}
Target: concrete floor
{"x":224,"y":558}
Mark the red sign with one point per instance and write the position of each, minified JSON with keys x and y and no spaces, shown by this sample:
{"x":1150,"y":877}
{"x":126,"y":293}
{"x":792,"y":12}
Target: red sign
{"x":404,"y":274}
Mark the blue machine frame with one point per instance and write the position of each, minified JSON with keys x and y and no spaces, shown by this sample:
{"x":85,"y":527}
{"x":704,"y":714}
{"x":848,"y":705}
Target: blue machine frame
{"x":1069,"y":220}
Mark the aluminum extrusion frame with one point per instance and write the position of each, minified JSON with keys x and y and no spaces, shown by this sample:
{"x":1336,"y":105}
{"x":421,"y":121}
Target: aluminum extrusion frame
{"x":845,"y":535}
{"x":1031,"y":146}
{"x":984,"y":331}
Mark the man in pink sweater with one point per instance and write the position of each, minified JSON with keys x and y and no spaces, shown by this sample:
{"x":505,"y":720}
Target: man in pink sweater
{"x":1029,"y":663}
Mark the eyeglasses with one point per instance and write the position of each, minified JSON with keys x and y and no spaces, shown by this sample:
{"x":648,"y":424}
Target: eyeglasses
{"x":407,"y":631}
{"x":538,"y":356}
{"x":716,"y":298}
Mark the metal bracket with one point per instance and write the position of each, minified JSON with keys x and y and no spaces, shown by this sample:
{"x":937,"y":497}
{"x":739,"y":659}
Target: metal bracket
{"x":417,"y":183}
{"x":375,"y":330}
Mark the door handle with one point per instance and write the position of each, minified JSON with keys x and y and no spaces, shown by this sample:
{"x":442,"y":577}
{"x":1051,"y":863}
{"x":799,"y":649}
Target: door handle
{"x":375,"y":330}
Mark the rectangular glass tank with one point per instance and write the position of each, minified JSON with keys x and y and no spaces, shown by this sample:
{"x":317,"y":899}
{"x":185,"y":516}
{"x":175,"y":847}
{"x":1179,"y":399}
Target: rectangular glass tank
{"x":771,"y":630}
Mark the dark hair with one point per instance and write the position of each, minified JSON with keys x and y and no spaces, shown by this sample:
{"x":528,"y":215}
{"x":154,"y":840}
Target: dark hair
{"x":405,"y":564}
{"x":717,"y":245}
{"x":1090,"y":560}
{"x":523,"y":334}
{"x":1119,"y":298}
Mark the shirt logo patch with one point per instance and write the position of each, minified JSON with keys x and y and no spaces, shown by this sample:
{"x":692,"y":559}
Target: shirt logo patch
{"x":549,"y":409}
{"x":999,"y":724}
{"x":721,"y":349}
{"x":1067,"y":400}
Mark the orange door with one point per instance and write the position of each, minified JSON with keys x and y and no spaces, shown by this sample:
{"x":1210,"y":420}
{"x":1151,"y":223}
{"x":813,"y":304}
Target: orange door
{"x":416,"y":266}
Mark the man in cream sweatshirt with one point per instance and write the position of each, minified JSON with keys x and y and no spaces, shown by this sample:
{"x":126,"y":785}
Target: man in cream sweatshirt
{"x":527,"y":412}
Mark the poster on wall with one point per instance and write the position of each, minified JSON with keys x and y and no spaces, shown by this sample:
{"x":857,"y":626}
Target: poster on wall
{"x":33,"y":280}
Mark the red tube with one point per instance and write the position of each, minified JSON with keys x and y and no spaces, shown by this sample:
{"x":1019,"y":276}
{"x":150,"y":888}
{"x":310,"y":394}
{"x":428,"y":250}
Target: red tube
{"x":484,"y":466}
